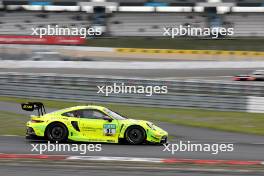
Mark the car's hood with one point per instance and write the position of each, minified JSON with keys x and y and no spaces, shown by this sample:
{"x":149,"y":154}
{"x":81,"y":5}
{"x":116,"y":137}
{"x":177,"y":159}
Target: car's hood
{"x":134,"y":121}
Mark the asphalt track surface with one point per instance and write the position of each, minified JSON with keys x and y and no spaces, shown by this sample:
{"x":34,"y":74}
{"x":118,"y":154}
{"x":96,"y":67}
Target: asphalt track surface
{"x":112,"y":169}
{"x":49,"y":169}
{"x":207,"y":74}
{"x":246,"y":147}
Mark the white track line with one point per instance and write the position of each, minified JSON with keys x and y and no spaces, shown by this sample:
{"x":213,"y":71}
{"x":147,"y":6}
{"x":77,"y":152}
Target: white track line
{"x":131,"y":65}
{"x":106,"y":158}
{"x":9,"y":135}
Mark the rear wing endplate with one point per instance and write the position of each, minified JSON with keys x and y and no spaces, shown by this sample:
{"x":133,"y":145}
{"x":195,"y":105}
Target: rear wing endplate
{"x":32,"y":106}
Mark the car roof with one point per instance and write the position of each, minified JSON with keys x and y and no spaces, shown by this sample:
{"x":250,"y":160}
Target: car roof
{"x":87,"y":107}
{"x":78,"y":108}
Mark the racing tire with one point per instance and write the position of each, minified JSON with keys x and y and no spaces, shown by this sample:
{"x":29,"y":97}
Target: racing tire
{"x":57,"y":132}
{"x":135,"y":135}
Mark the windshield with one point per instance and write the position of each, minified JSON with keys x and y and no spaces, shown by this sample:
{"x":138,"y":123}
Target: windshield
{"x":114,"y":114}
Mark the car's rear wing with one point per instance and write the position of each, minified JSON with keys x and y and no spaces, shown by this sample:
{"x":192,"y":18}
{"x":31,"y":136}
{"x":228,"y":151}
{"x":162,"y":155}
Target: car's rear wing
{"x":31,"y":106}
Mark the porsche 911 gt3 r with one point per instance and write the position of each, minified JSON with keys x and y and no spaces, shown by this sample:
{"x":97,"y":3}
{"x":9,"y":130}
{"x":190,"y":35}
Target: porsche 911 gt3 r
{"x":90,"y":124}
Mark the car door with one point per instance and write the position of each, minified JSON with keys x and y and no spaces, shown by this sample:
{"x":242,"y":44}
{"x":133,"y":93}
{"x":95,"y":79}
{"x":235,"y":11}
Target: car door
{"x":97,"y":126}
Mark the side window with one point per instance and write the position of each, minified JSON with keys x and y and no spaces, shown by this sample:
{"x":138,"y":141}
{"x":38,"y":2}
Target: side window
{"x":77,"y":114}
{"x":92,"y":114}
{"x":85,"y":113}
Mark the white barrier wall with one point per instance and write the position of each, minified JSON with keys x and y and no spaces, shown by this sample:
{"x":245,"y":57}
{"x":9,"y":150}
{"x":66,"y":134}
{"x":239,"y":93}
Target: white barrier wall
{"x":132,"y":65}
{"x":255,"y":104}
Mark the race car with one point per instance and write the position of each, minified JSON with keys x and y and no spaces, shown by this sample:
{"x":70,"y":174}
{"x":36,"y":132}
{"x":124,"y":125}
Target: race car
{"x":90,"y":123}
{"x":257,"y":75}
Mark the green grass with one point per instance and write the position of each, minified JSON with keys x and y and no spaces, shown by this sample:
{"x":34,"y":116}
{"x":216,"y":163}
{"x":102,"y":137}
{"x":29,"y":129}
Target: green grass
{"x":12,"y":124}
{"x":241,"y":122}
{"x":180,"y":43}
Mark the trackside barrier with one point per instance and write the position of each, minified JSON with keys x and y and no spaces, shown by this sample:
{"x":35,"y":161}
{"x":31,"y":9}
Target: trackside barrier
{"x":230,"y":96}
{"x":140,"y":50}
{"x":174,"y":51}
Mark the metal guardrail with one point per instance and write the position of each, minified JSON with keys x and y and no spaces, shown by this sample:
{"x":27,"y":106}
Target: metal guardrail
{"x":181,"y":93}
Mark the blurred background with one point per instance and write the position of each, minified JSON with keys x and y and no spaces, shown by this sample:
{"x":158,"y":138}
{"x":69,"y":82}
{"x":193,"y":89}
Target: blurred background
{"x":140,"y":23}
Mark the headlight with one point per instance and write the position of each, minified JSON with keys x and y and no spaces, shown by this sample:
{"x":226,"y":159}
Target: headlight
{"x":151,"y":126}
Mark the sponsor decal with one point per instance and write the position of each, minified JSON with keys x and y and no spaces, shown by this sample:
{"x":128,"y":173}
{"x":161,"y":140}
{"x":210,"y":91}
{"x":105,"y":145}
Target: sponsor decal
{"x":109,"y":129}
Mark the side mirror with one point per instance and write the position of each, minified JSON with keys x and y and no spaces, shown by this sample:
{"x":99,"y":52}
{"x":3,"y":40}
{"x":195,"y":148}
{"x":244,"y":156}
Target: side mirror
{"x":108,"y":119}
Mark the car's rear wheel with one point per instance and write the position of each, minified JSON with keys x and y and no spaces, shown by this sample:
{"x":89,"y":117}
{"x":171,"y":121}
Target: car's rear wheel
{"x":135,"y":135}
{"x":57,"y":132}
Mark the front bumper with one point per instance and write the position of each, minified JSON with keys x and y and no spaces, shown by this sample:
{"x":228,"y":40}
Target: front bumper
{"x":158,"y":139}
{"x":164,"y":140}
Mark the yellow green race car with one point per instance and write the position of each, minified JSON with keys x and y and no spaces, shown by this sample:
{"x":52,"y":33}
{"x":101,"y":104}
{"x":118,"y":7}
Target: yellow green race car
{"x":90,"y":124}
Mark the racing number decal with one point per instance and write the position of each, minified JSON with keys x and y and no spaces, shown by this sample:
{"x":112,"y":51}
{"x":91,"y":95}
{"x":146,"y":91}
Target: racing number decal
{"x":109,"y":129}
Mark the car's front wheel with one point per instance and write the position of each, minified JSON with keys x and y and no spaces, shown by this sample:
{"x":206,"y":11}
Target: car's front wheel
{"x":57,"y":132}
{"x":135,"y":135}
